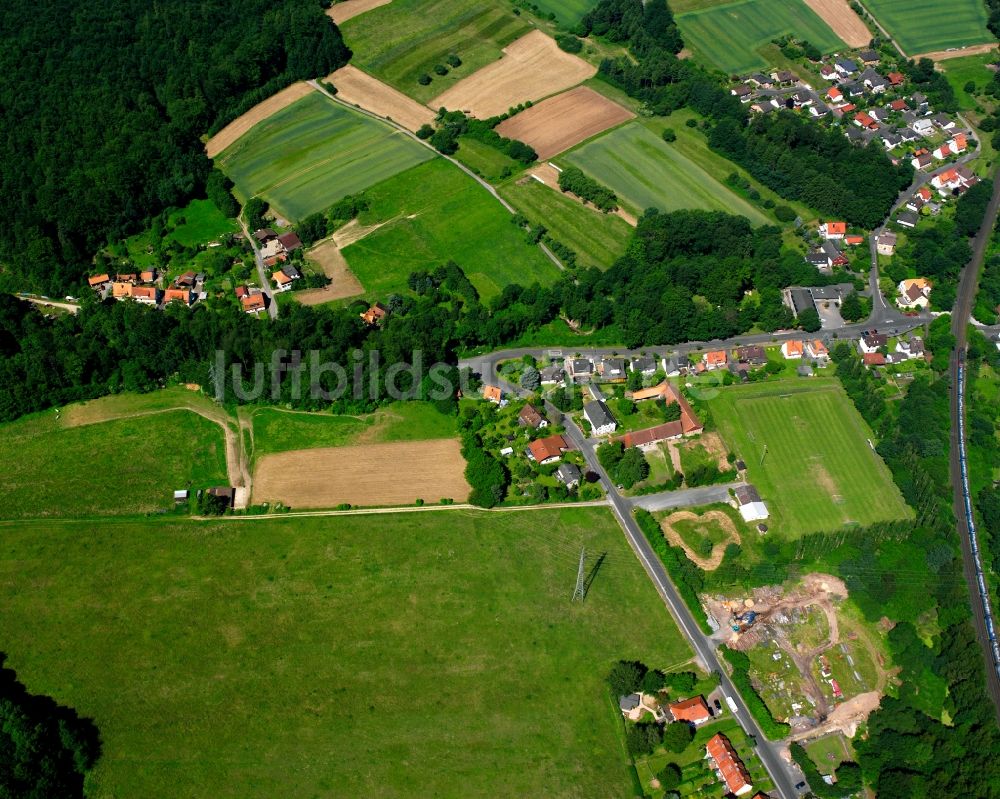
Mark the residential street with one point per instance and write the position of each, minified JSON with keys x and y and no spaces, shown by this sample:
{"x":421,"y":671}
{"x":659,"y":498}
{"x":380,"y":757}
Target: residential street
{"x":265,"y":283}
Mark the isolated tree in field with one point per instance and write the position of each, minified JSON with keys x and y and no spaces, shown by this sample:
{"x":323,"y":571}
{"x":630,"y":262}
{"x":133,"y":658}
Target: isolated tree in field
{"x":670,"y":777}
{"x":531,"y":379}
{"x":626,"y":677}
{"x":677,"y":736}
{"x":669,"y":135}
{"x":454,"y":60}
{"x":809,"y":320}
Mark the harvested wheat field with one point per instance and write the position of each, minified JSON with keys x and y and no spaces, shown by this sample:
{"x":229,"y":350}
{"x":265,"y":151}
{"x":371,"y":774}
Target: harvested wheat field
{"x":556,"y":124}
{"x":364,"y":91}
{"x":532,"y":67}
{"x":842,"y":20}
{"x":242,"y":124}
{"x":397,"y":473}
{"x":341,"y":12}
{"x":343,"y":282}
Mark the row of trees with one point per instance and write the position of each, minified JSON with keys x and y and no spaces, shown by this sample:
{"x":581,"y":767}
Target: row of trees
{"x":573,"y":179}
{"x":96,"y":144}
{"x":453,"y":124}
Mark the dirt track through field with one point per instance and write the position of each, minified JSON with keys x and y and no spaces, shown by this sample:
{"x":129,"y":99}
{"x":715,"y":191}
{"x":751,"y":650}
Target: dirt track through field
{"x":532,"y":67}
{"x":718,"y":551}
{"x":341,"y":12}
{"x":95,"y":412}
{"x":842,"y":21}
{"x":549,"y":176}
{"x":361,"y":89}
{"x":242,"y":124}
{"x":396,"y":473}
{"x":944,"y":55}
{"x":560,"y":122}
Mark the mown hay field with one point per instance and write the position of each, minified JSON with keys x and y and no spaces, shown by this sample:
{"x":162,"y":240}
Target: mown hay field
{"x":646,"y":172}
{"x":405,"y":39}
{"x":729,"y":36}
{"x":921,"y":26}
{"x":310,"y":154}
{"x":398,"y":656}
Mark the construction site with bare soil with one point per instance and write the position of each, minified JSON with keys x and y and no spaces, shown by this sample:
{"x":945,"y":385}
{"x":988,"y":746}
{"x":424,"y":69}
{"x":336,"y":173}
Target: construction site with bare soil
{"x":812,"y":659}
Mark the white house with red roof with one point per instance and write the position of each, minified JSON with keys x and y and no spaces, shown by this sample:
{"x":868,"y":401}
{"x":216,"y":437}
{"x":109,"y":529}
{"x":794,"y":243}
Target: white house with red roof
{"x":833,"y":230}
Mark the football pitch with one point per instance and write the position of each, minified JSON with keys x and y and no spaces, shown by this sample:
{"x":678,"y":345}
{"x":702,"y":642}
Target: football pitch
{"x":310,"y":154}
{"x":646,"y":172}
{"x":729,"y":36}
{"x":421,"y":654}
{"x":922,"y":26}
{"x":807,"y":452}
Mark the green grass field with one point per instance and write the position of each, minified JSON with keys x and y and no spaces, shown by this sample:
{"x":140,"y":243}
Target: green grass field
{"x":435,"y":212}
{"x":568,"y":12}
{"x":644,"y":171}
{"x":922,"y":26}
{"x":431,"y":654}
{"x":407,"y":38}
{"x":202,"y":222}
{"x":487,"y":162}
{"x":117,"y":467}
{"x":309,"y":155}
{"x":598,"y":239}
{"x":819,"y":472}
{"x":961,"y":71}
{"x":728,"y":37}
{"x":278,"y":430}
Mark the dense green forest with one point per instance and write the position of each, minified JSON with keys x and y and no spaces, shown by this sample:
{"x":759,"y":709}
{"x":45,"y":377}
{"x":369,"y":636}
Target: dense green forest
{"x":103,"y":105}
{"x":45,"y":749}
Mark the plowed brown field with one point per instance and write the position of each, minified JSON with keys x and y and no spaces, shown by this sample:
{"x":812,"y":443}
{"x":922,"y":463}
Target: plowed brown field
{"x":397,"y":473}
{"x":560,"y":122}
{"x":532,"y":67}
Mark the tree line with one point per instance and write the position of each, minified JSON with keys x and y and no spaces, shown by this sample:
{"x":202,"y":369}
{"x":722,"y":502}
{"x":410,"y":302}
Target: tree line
{"x":101,"y":138}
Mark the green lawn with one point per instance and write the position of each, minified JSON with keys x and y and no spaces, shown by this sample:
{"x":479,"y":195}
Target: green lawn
{"x":644,"y":171}
{"x":278,"y":430}
{"x":400,"y":41}
{"x":398,"y":656}
{"x":312,"y":153}
{"x":116,"y":467}
{"x":598,"y":239}
{"x":818,"y":472}
{"x":487,"y":162}
{"x":730,"y":36}
{"x":922,"y":26}
{"x":568,"y":12}
{"x":828,"y":752}
{"x":199,"y":223}
{"x":435,"y":213}
{"x":961,"y":71}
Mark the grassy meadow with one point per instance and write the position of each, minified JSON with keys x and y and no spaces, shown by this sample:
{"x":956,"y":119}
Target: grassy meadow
{"x":598,"y":239}
{"x":400,"y":41}
{"x":279,"y":430}
{"x":200,"y":221}
{"x":818,"y":473}
{"x":115,"y":467}
{"x":312,"y":153}
{"x":645,"y":172}
{"x":922,"y":26}
{"x":730,"y":36}
{"x":434,"y":213}
{"x":567,"y":12}
{"x":960,"y":71}
{"x":425,"y":654}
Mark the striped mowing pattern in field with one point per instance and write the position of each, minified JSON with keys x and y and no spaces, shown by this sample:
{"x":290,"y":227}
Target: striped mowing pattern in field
{"x":818,"y":472}
{"x":407,"y":38}
{"x":730,"y":36}
{"x":922,"y":26}
{"x":309,"y":155}
{"x":645,"y":172}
